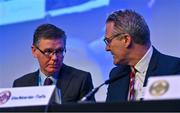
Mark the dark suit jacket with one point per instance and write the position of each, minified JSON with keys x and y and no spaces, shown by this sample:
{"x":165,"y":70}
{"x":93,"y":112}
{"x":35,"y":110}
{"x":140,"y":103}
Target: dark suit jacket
{"x":160,"y":64}
{"x":73,"y":83}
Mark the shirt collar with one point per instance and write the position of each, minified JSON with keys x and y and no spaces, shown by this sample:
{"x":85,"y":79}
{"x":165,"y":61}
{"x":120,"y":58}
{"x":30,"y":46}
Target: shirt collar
{"x":42,"y":77}
{"x":142,"y":65}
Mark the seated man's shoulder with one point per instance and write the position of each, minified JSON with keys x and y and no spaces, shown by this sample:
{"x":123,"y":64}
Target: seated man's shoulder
{"x":171,"y":61}
{"x":120,"y":69}
{"x":27,"y":76}
{"x":25,"y":79}
{"x":161,"y":56}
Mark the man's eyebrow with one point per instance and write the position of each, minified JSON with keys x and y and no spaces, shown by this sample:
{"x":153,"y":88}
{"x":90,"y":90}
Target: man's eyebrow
{"x":60,"y":48}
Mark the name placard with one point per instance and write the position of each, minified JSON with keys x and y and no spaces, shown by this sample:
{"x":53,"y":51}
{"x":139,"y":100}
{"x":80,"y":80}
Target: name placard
{"x":163,"y":88}
{"x":25,"y":96}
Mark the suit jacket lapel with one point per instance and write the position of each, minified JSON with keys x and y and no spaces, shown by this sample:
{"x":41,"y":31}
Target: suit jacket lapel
{"x":124,"y":87}
{"x":35,"y":79}
{"x":31,"y":80}
{"x":122,"y":84}
{"x":65,"y":76}
{"x":152,"y":66}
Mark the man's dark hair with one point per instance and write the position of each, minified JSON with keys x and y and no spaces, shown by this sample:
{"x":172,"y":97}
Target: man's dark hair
{"x":48,"y":31}
{"x":130,"y":22}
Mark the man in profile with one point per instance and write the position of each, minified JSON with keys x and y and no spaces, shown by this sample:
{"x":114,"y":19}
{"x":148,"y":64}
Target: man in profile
{"x":127,"y":37}
{"x":49,"y":47}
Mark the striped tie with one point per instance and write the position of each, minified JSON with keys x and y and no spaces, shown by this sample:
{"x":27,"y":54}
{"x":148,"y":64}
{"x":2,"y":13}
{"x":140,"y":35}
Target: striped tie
{"x":132,"y":82}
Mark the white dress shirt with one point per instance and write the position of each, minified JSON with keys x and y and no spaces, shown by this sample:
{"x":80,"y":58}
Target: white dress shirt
{"x":141,"y":70}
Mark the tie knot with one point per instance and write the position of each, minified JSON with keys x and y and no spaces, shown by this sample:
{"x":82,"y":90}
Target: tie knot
{"x":48,"y":81}
{"x":133,"y":71}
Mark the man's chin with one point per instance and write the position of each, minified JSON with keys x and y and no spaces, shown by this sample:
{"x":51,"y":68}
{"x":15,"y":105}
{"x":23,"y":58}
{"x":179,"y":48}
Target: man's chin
{"x":54,"y":70}
{"x":116,"y":63}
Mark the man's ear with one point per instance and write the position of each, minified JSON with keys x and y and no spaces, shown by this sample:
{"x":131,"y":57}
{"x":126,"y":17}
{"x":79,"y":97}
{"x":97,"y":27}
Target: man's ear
{"x":127,"y":40}
{"x":33,"y":50}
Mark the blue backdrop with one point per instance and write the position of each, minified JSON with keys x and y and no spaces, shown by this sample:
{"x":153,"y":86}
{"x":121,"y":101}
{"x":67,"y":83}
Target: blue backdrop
{"x":83,"y":22}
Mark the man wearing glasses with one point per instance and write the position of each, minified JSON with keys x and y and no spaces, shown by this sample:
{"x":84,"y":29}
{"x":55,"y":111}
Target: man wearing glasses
{"x":49,"y":47}
{"x":127,"y":37}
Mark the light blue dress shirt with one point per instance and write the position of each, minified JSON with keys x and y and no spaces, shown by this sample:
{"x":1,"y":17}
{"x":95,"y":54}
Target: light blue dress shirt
{"x":54,"y":78}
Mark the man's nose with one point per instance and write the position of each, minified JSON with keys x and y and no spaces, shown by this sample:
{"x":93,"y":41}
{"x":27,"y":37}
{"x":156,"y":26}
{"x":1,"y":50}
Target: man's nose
{"x":107,"y":48}
{"x":54,"y":56}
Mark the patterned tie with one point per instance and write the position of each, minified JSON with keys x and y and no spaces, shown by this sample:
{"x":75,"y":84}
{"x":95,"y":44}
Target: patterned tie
{"x":132,"y":82}
{"x":48,"y":81}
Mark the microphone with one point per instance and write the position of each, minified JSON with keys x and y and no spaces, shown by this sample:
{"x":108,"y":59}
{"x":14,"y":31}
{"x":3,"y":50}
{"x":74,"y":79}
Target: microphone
{"x":109,"y":81}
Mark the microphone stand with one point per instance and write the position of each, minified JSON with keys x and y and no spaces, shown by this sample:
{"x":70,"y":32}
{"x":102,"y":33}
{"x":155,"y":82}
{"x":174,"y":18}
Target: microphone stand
{"x":91,"y":93}
{"x":109,"y":81}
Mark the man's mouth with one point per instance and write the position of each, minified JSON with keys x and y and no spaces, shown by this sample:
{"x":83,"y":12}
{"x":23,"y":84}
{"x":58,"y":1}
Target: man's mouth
{"x":53,"y":66}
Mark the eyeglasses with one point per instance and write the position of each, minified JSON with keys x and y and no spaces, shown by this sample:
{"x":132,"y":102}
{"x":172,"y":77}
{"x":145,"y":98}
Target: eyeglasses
{"x":109,"y":40}
{"x":51,"y":52}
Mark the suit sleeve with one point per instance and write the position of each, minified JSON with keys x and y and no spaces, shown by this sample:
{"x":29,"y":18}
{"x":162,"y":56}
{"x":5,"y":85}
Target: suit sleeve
{"x":86,"y":87}
{"x":109,"y":93}
{"x":14,"y":84}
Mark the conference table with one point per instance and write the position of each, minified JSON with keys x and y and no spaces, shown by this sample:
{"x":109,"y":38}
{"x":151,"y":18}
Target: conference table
{"x":138,"y":106}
